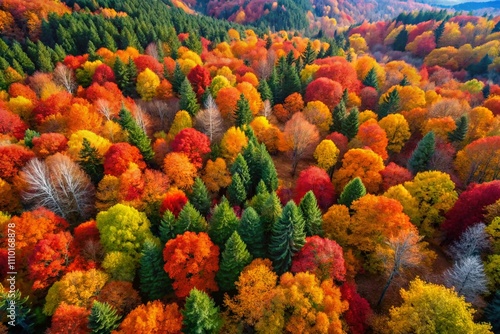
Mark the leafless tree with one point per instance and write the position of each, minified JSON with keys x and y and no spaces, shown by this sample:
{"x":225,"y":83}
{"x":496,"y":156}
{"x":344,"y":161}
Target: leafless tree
{"x":60,"y":185}
{"x":152,"y":50}
{"x":104,"y":108}
{"x":401,"y":253}
{"x":209,"y":120}
{"x":471,"y":243}
{"x":467,"y":277}
{"x":64,"y":76}
{"x":267,"y":110}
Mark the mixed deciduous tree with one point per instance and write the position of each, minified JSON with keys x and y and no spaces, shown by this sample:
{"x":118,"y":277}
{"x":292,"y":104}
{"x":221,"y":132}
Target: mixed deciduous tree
{"x":316,"y":180}
{"x":191,"y":261}
{"x":179,"y":170}
{"x":154,"y":317}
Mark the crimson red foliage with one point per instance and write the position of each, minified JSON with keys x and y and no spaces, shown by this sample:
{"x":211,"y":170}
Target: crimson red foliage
{"x":85,"y":232}
{"x":359,"y":311}
{"x":317,"y":180}
{"x":119,"y":156}
{"x":174,"y":202}
{"x":469,"y":208}
{"x":144,"y":61}
{"x":394,"y":174}
{"x":103,"y":73}
{"x":193,"y":143}
{"x":12,"y":124}
{"x":200,"y":79}
{"x":325,"y":90}
{"x":12,"y":158}
{"x":369,"y":98}
{"x":320,"y":256}
{"x":75,"y":62}
{"x":340,"y":70}
{"x":54,"y":104}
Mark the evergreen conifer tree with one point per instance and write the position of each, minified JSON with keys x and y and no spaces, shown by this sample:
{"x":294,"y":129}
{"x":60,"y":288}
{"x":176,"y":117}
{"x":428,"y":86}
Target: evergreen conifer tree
{"x":492,"y":312}
{"x":389,"y":105}
{"x":121,"y":74}
{"x":44,"y":58}
{"x":154,"y":281}
{"x":251,"y":232}
{"x":401,"y":40}
{"x":240,"y":166}
{"x":200,"y":314}
{"x":193,"y":43}
{"x":23,"y":59}
{"x":243,"y":112}
{"x":287,"y":238}
{"x":188,"y":100}
{"x":404,"y":81}
{"x":353,"y":190}
{"x":28,"y":137}
{"x":236,"y":191}
{"x":309,"y":55}
{"x":190,"y":219}
{"x":313,"y":219}
{"x":339,"y":114}
{"x":350,"y":125}
{"x":234,"y":258}
{"x":178,"y":78}
{"x":460,"y":131}
{"x":136,"y":135}
{"x":265,"y":91}
{"x":291,"y":82}
{"x":370,"y":79}
{"x":132,"y":77}
{"x":419,"y":160}
{"x":91,"y":161}
{"x":268,"y":170}
{"x":439,"y":31}
{"x":199,"y":197}
{"x":103,"y":319}
{"x":270,"y":212}
{"x":167,"y":227}
{"x":222,"y":223}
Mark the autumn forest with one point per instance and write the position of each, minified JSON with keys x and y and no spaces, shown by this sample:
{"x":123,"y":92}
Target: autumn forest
{"x":311,"y":166}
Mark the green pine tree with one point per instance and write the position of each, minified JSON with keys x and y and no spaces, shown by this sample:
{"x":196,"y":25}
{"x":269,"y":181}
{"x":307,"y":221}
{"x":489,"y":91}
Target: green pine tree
{"x":136,"y":135}
{"x":236,"y":191}
{"x":4,"y":64}
{"x":274,"y":82}
{"x":91,"y":161}
{"x":260,"y":197}
{"x":345,"y":96}
{"x":25,"y":319}
{"x":492,"y":312}
{"x":311,"y":213}
{"x":309,"y":55}
{"x":23,"y":59}
{"x":460,"y":131}
{"x":154,"y":281}
{"x":190,"y":219}
{"x":350,"y":125}
{"x":287,"y":238}
{"x":404,"y":81}
{"x":339,"y":114}
{"x":370,"y":79}
{"x":91,"y":50}
{"x":129,"y":89}
{"x":188,"y":100}
{"x":439,"y":31}
{"x":109,"y":42}
{"x":121,"y":74}
{"x":18,"y":67}
{"x":177,"y":78}
{"x":401,"y":40}
{"x":44,"y":58}
{"x":193,"y":43}
{"x":243,"y":112}
{"x":240,"y":166}
{"x":270,"y":212}
{"x":199,"y":197}
{"x":265,"y":91}
{"x":251,"y":232}
{"x":389,"y":105}
{"x":167,"y":227}
{"x":253,"y":155}
{"x":268,"y":170}
{"x":291,"y":82}
{"x":200,"y":314}
{"x":234,"y":258}
{"x":222,"y":223}
{"x":28,"y":137}
{"x":103,"y":319}
{"x":353,"y":190}
{"x":419,"y":160}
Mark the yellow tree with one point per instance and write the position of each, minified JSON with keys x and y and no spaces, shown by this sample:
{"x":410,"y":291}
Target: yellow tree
{"x":232,"y":143}
{"x":326,"y":154}
{"x":179,"y":170}
{"x":147,"y":82}
{"x":317,"y":113}
{"x":435,"y":193}
{"x":432,"y":308}
{"x":216,"y":175}
{"x":397,"y":130}
{"x":336,"y":222}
